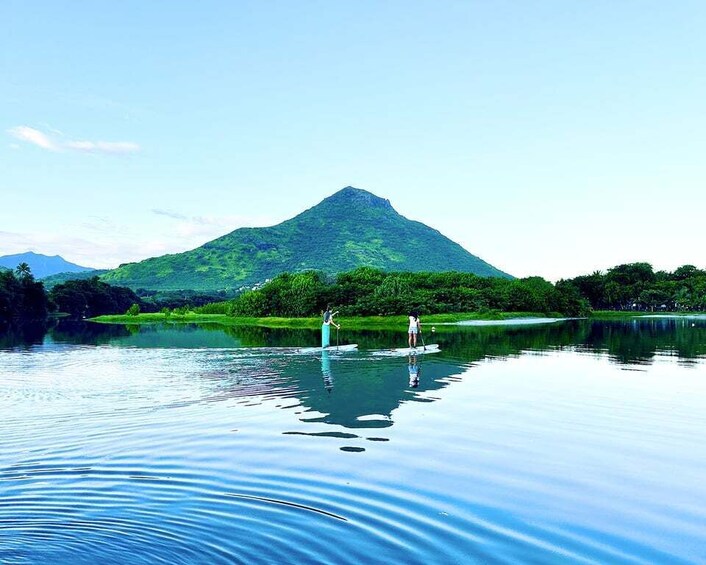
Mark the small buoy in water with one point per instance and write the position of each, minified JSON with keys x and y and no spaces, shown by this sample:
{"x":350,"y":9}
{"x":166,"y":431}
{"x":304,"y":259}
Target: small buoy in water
{"x":692,"y":325}
{"x":433,"y":329}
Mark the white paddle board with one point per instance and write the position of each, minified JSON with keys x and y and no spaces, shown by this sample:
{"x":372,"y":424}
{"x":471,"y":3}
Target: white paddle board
{"x":419,"y":350}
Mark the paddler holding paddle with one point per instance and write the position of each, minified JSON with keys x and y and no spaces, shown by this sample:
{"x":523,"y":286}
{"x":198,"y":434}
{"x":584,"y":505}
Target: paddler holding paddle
{"x":326,"y":326}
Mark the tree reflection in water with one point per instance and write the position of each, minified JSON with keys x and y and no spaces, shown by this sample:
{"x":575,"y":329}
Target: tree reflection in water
{"x":628,"y":341}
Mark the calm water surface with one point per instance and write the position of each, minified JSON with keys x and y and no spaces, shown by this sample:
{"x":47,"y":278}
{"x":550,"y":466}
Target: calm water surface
{"x":563,"y":442}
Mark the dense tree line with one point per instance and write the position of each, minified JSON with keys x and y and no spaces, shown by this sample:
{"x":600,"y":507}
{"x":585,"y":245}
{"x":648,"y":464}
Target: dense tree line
{"x":367,"y":291}
{"x":91,"y":297}
{"x":636,"y":286}
{"x":157,"y":300}
{"x":22,"y":299}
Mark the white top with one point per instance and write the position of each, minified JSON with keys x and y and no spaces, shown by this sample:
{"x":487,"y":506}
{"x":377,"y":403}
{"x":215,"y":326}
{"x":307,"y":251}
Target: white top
{"x":413,"y":324}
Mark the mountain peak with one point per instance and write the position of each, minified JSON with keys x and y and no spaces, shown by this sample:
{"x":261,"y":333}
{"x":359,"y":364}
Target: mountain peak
{"x":357,"y":196}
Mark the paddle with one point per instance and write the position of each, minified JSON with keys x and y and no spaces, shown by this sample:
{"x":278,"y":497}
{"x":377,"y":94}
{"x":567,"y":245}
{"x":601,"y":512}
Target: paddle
{"x":424,"y":347}
{"x":338,"y":326}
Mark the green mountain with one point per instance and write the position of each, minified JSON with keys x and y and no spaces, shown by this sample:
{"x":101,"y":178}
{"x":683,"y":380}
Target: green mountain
{"x":351,"y":228}
{"x":59,"y":278}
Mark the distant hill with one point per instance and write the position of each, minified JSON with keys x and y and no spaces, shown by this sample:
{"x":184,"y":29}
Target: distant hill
{"x":351,"y":228}
{"x":52,"y":280}
{"x":42,"y":265}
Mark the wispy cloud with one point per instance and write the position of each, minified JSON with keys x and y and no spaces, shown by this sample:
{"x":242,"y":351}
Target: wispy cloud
{"x":102,"y":251}
{"x":34,"y":136}
{"x":205,"y":228}
{"x":199,"y":228}
{"x":101,"y":224}
{"x":56,"y":142}
{"x":103,"y":242}
{"x":114,"y":147}
{"x":169,"y":214}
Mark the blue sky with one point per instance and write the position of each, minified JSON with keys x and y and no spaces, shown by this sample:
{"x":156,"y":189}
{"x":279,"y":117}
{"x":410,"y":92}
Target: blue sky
{"x":550,"y":138}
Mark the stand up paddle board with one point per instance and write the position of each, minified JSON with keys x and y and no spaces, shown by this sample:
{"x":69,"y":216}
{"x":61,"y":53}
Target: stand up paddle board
{"x":419,"y":350}
{"x":330,"y":348}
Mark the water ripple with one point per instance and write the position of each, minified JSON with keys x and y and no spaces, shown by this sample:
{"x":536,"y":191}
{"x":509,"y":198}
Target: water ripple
{"x":288,"y":503}
{"x":110,"y":453}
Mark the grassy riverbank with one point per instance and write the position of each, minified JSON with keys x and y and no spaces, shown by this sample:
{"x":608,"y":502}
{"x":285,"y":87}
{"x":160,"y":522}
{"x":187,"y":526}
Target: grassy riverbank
{"x":624,"y":314}
{"x":359,"y":322}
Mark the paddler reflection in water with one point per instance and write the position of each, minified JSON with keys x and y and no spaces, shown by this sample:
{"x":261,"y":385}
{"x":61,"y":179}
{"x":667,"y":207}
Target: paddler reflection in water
{"x":326,"y":327}
{"x":413,"y":371}
{"x":326,"y":370}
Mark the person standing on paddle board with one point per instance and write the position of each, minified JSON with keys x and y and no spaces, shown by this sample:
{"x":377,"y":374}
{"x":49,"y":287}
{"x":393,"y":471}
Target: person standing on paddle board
{"x":415,"y":327}
{"x":326,"y":327}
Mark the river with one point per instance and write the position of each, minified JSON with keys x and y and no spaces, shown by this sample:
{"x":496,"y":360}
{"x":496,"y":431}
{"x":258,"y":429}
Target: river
{"x":569,"y":441}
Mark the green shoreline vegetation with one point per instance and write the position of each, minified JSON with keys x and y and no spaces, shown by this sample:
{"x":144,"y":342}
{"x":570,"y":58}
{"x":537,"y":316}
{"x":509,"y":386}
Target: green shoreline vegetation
{"x":365,"y":297}
{"x":360,"y":322}
{"x":349,"y":322}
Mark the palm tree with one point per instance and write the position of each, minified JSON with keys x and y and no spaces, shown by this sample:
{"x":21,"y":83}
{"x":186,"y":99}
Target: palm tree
{"x":23,"y":271}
